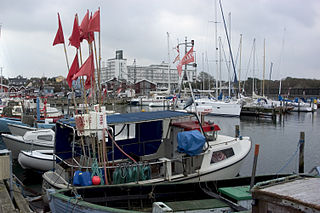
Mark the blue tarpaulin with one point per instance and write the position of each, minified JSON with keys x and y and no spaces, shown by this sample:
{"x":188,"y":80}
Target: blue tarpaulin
{"x":190,"y":142}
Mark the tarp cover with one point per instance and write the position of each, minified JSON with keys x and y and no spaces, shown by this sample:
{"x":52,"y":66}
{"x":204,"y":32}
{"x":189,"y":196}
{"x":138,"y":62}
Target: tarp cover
{"x":190,"y":142}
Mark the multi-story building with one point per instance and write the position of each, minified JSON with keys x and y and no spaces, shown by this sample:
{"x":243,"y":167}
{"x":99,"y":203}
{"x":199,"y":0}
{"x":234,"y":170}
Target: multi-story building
{"x":114,"y":68}
{"x":158,"y":74}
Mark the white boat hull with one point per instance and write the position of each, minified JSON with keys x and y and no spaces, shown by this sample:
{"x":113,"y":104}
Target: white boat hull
{"x":220,"y":108}
{"x":17,"y":143}
{"x":42,"y":160}
{"x":20,"y":129}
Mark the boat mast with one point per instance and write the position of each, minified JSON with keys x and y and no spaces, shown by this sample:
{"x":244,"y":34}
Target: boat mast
{"x":253,"y":62}
{"x":1,"y":67}
{"x":240,"y":64}
{"x":217,"y":49}
{"x":229,"y":74}
{"x":229,"y":44}
{"x":220,"y":62}
{"x":264,"y":65}
{"x":1,"y":80}
{"x":169,"y":65}
{"x":203,"y":71}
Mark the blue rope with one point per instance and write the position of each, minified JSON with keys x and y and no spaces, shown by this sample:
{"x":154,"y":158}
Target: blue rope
{"x":290,"y":159}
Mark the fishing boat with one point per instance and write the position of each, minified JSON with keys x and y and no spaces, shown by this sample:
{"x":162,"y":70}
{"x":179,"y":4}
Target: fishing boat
{"x":228,"y":195}
{"x":162,"y":146}
{"x":40,"y":160}
{"x":31,"y":140}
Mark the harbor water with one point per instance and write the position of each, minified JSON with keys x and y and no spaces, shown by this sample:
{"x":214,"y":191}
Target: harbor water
{"x":278,"y":140}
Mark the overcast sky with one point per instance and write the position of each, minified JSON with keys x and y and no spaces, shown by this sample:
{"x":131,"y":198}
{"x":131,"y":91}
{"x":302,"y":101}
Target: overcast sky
{"x":291,"y":29}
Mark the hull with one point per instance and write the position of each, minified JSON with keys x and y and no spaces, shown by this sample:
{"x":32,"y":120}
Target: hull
{"x":16,"y":144}
{"x":219,"y":108}
{"x":144,"y":198}
{"x":17,"y":129}
{"x":42,"y":160}
{"x":5,"y":121}
{"x":159,"y":104}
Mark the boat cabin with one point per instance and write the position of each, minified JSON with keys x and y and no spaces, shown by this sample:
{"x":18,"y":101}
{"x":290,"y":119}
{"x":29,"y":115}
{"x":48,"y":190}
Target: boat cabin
{"x":145,"y":136}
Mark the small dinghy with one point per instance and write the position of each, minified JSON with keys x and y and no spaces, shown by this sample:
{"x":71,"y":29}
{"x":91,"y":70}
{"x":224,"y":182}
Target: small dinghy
{"x":42,"y":160}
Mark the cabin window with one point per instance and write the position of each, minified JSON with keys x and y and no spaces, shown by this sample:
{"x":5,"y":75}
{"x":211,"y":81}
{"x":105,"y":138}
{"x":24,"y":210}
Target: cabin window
{"x":45,"y":137}
{"x":221,"y":155}
{"x":124,"y":132}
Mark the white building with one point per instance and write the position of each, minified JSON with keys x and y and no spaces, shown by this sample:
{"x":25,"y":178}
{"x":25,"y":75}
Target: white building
{"x":114,"y":68}
{"x":117,"y":68}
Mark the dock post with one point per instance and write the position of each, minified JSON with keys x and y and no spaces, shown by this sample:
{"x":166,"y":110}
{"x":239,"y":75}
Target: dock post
{"x":237,"y":131}
{"x":254,"y":167}
{"x":301,"y":153}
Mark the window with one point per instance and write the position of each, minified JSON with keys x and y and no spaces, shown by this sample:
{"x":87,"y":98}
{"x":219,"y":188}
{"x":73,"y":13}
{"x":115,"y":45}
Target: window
{"x":221,"y":155}
{"x":124,"y":132}
{"x":45,"y":137}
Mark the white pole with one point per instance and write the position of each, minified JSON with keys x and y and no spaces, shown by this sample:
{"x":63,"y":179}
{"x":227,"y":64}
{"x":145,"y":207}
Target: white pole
{"x":217,"y":49}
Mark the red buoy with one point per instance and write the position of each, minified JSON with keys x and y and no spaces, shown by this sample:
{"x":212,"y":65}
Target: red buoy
{"x":96,"y":180}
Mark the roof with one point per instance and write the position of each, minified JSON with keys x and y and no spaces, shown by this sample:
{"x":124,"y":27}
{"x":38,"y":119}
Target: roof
{"x":138,"y":117}
{"x":135,"y":117}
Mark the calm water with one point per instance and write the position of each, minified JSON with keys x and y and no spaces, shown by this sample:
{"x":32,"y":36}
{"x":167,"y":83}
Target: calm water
{"x":278,"y":141}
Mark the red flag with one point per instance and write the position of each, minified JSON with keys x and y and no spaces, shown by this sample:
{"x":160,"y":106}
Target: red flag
{"x":86,"y":69}
{"x":84,"y":33}
{"x":94,"y":24}
{"x":74,"y":39}
{"x":88,"y":83}
{"x":178,"y":56}
{"x":59,"y":39}
{"x":179,"y":68}
{"x":73,"y":70}
{"x":188,"y":58}
{"x":84,"y":24}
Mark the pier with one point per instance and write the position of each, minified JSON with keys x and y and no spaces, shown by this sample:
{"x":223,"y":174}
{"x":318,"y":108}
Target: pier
{"x":11,"y":198}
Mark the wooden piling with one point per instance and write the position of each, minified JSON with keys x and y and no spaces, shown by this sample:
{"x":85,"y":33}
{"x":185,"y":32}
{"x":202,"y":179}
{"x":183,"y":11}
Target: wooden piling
{"x":237,"y":131}
{"x":254,"y":167}
{"x":301,"y":153}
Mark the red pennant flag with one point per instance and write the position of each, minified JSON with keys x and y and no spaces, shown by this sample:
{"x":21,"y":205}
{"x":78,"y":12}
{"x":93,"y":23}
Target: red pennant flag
{"x":178,"y":56}
{"x":74,"y":39}
{"x":87,"y":69}
{"x":88,"y":84}
{"x":84,"y":33}
{"x":94,"y":24}
{"x":84,"y":24}
{"x":73,"y":70}
{"x":188,"y":58}
{"x":59,"y":39}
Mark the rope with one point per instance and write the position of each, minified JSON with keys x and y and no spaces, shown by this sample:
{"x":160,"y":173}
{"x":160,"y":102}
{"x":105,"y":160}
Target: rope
{"x":120,"y":147}
{"x":290,"y":159}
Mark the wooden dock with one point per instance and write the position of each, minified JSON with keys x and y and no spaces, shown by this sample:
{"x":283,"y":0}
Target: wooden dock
{"x":17,"y":204}
{"x":301,"y":194}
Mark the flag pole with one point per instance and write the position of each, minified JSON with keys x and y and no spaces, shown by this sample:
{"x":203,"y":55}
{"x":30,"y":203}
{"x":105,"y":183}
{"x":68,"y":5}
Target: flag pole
{"x":81,"y":78}
{"x":99,"y":70}
{"x":96,"y":58}
{"x":68,"y":67}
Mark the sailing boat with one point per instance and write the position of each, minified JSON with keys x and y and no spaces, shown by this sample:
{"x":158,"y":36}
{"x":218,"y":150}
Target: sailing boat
{"x":228,"y":107}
